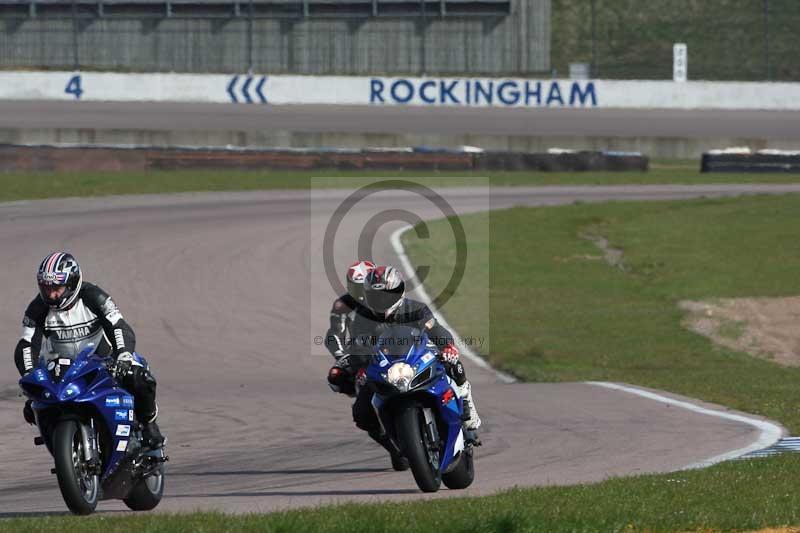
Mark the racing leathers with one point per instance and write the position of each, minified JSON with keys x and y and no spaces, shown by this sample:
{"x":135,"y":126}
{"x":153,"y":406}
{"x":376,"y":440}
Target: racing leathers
{"x":338,"y":339}
{"x":367,"y":327}
{"x":92,"y":318}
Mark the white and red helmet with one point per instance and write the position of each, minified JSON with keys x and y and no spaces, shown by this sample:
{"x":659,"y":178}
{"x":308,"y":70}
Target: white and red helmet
{"x":384,"y":289}
{"x":356,"y":274}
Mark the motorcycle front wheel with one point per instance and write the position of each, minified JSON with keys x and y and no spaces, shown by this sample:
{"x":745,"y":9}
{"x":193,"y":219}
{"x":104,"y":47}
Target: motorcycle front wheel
{"x":78,"y":485}
{"x":422,"y":455}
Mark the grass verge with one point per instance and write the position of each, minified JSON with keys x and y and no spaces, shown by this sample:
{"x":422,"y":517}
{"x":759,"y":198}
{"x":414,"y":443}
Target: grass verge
{"x":739,"y":495}
{"x":21,"y":186}
{"x":559,"y":312}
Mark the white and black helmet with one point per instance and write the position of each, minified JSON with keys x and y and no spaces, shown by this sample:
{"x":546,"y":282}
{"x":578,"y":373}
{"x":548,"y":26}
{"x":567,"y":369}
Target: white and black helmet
{"x":384,"y":289}
{"x":56,"y":270}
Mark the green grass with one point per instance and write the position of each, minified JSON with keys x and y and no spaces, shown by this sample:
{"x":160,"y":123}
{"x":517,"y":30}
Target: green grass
{"x":559,"y":313}
{"x":732,"y":496}
{"x":20,"y":186}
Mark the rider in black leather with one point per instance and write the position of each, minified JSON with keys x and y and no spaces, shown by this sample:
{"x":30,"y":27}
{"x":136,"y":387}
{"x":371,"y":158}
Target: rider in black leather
{"x":384,"y":290}
{"x":68,"y":314}
{"x":338,"y":338}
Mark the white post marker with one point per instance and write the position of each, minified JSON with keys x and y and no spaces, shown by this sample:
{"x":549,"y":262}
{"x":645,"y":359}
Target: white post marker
{"x":680,"y":62}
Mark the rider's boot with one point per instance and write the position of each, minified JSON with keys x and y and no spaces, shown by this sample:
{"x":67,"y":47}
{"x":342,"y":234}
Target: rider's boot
{"x":399,"y":463}
{"x":151,"y":434}
{"x":27,"y":413}
{"x":471,"y":419}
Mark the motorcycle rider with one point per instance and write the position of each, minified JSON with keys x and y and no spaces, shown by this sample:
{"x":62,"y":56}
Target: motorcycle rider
{"x":68,"y":314}
{"x":384,"y":294}
{"x":338,"y":337}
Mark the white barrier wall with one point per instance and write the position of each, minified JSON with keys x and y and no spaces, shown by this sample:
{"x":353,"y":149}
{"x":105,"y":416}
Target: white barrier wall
{"x":469,"y":92}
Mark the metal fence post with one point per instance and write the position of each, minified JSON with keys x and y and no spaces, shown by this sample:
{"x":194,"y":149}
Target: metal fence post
{"x":250,"y":38}
{"x":76,"y":60}
{"x":593,"y":73}
{"x":766,"y":40}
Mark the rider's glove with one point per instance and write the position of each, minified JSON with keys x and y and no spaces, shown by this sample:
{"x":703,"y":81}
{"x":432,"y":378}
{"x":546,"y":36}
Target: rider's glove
{"x":343,"y":362}
{"x":361,"y":377}
{"x":338,"y":354}
{"x":450,"y":354}
{"x":123,"y":366}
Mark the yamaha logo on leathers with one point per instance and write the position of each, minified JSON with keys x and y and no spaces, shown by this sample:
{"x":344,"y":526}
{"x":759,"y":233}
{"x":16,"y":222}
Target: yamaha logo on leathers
{"x":74,"y":333}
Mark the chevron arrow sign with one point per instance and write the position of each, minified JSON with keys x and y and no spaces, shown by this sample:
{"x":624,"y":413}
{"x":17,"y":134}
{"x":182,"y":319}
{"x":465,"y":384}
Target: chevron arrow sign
{"x":247,"y":89}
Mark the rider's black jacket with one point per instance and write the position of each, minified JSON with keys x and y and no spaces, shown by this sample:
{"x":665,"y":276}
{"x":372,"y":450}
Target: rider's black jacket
{"x":92,"y":318}
{"x":343,"y":312}
{"x":368,"y":326}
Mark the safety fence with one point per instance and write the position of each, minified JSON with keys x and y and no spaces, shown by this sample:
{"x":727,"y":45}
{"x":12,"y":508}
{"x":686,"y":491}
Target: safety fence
{"x":742,"y":40}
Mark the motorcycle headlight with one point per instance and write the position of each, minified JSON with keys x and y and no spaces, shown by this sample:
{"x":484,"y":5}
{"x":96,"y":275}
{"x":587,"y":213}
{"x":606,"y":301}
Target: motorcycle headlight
{"x":400,"y":376}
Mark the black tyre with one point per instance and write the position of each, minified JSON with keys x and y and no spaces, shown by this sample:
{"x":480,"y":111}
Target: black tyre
{"x":78,"y":487}
{"x":147,"y":493}
{"x":410,"y":424}
{"x":463,"y":474}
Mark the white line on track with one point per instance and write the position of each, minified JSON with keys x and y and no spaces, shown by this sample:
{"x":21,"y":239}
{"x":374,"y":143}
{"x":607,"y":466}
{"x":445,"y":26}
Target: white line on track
{"x":769,"y":433}
{"x":423,"y":295}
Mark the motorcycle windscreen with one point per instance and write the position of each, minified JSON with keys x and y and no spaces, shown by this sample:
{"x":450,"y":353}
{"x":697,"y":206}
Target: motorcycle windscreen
{"x":398,"y":341}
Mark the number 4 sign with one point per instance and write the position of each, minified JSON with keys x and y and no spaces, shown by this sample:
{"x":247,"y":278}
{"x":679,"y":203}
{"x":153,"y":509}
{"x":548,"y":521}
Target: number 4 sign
{"x":74,"y":87}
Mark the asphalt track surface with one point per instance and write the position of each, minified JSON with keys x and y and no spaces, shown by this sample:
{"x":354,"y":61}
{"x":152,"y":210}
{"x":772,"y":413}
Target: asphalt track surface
{"x":399,"y":119}
{"x":225,"y":299}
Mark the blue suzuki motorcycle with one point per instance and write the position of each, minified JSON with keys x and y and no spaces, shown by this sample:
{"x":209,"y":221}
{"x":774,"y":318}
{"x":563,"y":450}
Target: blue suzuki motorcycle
{"x":419,"y":409}
{"x":87,"y":423}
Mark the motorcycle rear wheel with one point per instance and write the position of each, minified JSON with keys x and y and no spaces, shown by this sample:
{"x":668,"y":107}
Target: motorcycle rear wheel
{"x":78,"y":487}
{"x":409,"y":424}
{"x":147,"y":493}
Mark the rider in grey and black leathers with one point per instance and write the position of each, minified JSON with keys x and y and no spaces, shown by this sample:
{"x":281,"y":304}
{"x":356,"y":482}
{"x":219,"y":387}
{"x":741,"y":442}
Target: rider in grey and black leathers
{"x":338,"y":338}
{"x":68,"y":314}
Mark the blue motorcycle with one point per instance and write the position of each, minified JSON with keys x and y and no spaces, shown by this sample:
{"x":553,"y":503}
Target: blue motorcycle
{"x":87,"y":423}
{"x":419,"y":409}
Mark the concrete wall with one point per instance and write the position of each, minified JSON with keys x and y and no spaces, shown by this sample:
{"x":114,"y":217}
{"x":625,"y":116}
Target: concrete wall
{"x":430,"y":91}
{"x":516,"y":44}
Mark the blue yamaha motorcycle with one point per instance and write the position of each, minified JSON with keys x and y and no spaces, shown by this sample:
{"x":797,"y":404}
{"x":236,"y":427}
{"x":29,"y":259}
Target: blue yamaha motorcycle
{"x":87,"y":423}
{"x":419,"y":409}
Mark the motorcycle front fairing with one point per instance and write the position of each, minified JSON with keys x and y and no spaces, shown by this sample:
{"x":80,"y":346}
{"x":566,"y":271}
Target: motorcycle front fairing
{"x":430,"y":386}
{"x":86,"y":388}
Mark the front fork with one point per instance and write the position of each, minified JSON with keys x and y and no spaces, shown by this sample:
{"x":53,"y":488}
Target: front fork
{"x":90,"y":447}
{"x":430,"y":428}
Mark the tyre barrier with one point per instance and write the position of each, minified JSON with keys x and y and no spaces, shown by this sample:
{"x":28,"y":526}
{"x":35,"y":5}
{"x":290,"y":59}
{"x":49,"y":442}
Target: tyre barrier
{"x":765,"y":161}
{"x":71,"y":158}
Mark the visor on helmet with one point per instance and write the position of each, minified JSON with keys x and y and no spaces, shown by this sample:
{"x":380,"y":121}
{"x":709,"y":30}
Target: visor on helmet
{"x":59,"y":280}
{"x":382,"y":300}
{"x":356,"y":290}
